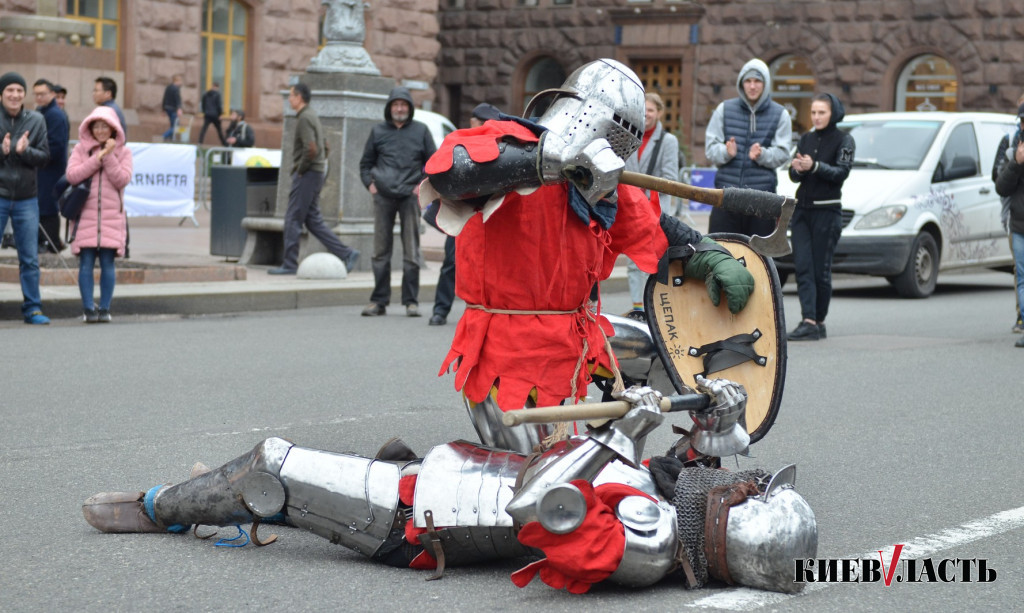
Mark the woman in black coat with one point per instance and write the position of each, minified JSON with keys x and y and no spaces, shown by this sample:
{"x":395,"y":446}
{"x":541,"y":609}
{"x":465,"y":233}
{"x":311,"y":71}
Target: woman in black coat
{"x":822,"y":163}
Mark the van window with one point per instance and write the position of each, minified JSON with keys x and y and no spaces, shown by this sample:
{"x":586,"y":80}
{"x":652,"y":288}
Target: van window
{"x":892,"y":144}
{"x":960,"y":155}
{"x":990,"y":133}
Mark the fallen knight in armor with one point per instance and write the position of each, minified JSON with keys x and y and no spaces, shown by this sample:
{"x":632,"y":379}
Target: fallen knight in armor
{"x":588,"y":505}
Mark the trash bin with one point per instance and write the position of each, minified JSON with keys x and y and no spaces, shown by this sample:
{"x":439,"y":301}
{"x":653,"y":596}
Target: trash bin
{"x":235,"y":193}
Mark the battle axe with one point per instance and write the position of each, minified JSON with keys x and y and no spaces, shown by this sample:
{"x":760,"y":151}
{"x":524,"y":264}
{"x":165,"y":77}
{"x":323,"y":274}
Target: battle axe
{"x":734,"y":199}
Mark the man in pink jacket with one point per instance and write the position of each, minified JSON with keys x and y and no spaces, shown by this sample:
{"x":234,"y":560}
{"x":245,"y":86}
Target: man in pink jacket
{"x":102,"y":230}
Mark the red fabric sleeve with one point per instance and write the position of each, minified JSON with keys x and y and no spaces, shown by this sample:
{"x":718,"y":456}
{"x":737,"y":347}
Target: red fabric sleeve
{"x":481,"y":143}
{"x":587,"y":555}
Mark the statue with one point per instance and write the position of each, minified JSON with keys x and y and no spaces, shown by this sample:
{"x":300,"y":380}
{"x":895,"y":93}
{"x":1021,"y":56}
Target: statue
{"x":345,"y":32}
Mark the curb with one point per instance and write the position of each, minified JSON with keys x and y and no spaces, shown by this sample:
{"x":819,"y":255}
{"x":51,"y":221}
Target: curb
{"x":197,"y":299}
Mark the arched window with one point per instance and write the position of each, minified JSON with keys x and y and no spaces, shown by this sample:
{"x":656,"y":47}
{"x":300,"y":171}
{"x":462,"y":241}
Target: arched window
{"x":793,"y":85}
{"x":104,"y":15}
{"x":927,"y":83}
{"x":545,"y":73}
{"x":225,"y":25}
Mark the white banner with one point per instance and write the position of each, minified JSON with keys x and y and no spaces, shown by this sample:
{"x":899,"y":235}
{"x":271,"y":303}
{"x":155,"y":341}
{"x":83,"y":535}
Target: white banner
{"x":163,"y":180}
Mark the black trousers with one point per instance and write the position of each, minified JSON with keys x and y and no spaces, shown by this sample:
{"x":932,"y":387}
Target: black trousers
{"x":215,"y":122}
{"x":815,"y":233}
{"x":304,"y":209}
{"x":444,"y":296}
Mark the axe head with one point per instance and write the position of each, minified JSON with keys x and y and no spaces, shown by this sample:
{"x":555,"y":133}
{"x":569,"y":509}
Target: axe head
{"x":776,"y":244}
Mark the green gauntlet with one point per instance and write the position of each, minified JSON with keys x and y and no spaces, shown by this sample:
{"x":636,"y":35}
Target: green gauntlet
{"x":721,"y":272}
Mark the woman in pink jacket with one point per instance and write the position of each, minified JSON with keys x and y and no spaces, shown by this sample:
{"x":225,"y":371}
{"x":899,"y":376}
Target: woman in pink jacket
{"x":102,"y":229}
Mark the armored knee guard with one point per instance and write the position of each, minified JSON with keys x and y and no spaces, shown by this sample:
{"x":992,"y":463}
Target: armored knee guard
{"x":486,"y":418}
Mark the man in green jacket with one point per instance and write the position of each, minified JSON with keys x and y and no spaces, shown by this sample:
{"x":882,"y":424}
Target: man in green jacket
{"x":309,"y":158}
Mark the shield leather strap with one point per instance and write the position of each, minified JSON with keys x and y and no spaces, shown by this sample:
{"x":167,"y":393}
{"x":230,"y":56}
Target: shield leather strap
{"x":716,"y":522}
{"x":692,"y":336}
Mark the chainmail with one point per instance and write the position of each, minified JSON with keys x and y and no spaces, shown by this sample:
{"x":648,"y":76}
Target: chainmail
{"x":691,"y":500}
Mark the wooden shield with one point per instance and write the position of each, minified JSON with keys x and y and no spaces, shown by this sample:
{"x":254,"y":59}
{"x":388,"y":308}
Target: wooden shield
{"x":695,"y":337}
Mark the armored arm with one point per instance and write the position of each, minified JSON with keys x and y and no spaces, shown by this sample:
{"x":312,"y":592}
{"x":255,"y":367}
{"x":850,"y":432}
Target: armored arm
{"x":593,"y":169}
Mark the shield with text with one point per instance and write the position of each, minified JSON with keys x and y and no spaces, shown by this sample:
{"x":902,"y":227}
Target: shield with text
{"x":694,"y":337}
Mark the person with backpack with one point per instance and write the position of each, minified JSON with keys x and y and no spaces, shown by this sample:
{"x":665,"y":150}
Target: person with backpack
{"x":101,"y":231}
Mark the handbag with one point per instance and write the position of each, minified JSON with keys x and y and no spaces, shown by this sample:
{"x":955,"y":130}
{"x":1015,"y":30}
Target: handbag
{"x":72,"y":198}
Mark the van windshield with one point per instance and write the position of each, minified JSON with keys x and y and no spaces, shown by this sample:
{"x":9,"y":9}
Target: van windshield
{"x":898,"y":144}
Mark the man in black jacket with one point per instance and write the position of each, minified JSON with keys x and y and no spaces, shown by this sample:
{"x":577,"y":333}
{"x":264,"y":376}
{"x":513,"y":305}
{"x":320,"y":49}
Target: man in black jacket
{"x":23,"y":149}
{"x":822,"y":163}
{"x":212,"y":110}
{"x":392,"y":168}
{"x":172,"y":105}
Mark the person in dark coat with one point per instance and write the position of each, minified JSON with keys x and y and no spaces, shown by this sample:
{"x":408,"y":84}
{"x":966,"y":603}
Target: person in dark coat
{"x":172,"y":105}
{"x":1010,"y":185}
{"x":391,"y":169}
{"x":213,"y":108}
{"x":822,"y":163}
{"x":57,"y":131}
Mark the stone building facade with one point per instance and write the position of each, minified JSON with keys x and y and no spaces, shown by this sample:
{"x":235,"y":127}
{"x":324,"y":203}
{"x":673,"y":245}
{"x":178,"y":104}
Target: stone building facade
{"x":159,"y":38}
{"x":876,"y":55}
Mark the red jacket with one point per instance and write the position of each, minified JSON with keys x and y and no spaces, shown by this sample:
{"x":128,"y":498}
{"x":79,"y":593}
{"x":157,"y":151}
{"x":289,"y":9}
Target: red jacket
{"x":104,"y":222}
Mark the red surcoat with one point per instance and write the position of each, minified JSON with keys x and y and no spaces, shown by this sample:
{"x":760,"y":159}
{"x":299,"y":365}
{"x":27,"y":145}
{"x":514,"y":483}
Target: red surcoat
{"x":535,"y":254}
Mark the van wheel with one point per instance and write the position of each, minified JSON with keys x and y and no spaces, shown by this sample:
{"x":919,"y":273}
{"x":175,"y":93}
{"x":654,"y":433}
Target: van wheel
{"x":918,"y":279}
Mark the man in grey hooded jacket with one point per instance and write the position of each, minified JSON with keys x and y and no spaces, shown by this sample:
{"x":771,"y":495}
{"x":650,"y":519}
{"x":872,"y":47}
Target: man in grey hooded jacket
{"x":392,"y":168}
{"x":747,"y":139}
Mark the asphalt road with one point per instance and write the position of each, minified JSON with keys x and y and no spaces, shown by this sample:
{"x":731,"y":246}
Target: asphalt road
{"x":904,"y":424}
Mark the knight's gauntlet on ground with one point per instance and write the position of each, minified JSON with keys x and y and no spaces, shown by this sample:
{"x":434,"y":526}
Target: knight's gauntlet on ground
{"x":594,"y":168}
{"x":721,"y":273}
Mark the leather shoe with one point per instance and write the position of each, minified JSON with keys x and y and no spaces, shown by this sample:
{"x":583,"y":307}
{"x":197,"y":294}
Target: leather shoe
{"x":438,"y":320}
{"x":805,"y":332}
{"x":373,"y":310}
{"x":352,"y":260}
{"x":821,"y":330}
{"x":1020,"y":342}
{"x":281,"y":271}
{"x":412,"y":310}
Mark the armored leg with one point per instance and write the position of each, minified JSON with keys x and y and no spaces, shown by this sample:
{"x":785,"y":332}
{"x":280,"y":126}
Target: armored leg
{"x":486,"y":418}
{"x":347,"y":499}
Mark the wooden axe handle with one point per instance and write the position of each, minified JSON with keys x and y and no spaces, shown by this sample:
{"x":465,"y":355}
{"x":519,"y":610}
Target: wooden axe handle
{"x":599,"y":410}
{"x":737,"y":200}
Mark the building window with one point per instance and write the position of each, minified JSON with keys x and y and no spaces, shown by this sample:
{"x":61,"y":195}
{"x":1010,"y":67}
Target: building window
{"x":225,"y":25}
{"x":793,"y":86}
{"x":545,"y":73}
{"x":927,"y":83}
{"x":105,"y":17}
{"x":662,"y":77}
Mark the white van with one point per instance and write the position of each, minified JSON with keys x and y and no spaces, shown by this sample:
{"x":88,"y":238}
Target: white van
{"x":920,"y":198}
{"x":438,"y":124}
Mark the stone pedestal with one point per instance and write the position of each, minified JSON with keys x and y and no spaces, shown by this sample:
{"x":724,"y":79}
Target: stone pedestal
{"x":349,"y":105}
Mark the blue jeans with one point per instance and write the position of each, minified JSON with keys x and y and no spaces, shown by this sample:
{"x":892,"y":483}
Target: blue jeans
{"x":171,"y":117}
{"x":1017,"y":243}
{"x":24,"y":216}
{"x":86,"y":263}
